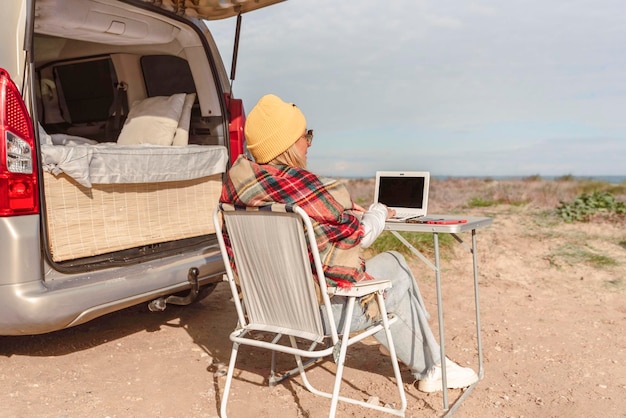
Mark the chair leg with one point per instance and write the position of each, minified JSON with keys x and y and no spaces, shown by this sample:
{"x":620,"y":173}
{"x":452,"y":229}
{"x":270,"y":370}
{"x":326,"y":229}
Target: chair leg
{"x":342,"y":358}
{"x":273,"y":379}
{"x":301,"y":366}
{"x":229,"y":379}
{"x":344,"y":342}
{"x":392,"y":352}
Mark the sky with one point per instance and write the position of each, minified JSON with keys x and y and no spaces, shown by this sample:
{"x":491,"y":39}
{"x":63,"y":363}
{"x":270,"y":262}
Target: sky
{"x":457,"y":88}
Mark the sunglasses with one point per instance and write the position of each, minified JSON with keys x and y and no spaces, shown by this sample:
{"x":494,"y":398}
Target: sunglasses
{"x":309,"y":136}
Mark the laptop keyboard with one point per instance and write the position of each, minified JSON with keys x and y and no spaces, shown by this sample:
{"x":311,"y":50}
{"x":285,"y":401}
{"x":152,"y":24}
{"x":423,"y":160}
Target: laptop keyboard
{"x":402,"y":215}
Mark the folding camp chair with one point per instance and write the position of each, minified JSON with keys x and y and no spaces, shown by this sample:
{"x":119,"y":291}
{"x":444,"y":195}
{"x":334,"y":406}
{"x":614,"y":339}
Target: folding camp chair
{"x":276,"y":281}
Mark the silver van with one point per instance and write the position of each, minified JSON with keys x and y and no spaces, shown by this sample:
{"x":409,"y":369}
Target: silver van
{"x":117,"y":125}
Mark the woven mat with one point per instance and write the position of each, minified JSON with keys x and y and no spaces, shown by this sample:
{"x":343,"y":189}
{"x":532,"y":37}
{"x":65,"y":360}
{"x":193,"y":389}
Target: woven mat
{"x":84,"y":222}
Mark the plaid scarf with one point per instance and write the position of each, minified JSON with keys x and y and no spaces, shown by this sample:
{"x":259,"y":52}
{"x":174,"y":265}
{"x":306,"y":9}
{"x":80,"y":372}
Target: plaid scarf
{"x":337,"y":226}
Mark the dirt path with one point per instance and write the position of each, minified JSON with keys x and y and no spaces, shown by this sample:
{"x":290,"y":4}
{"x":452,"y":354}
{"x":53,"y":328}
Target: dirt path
{"x":553,"y":325}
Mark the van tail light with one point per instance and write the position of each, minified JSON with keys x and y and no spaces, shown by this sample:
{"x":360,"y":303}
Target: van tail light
{"x":19,"y":194}
{"x":236,"y":121}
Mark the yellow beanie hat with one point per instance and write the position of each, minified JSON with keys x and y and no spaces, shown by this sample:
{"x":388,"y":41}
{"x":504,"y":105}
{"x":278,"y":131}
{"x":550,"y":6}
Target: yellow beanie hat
{"x":272,"y":126}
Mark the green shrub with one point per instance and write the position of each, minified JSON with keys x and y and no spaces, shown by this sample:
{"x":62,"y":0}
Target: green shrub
{"x":479,"y":202}
{"x":586,"y":205}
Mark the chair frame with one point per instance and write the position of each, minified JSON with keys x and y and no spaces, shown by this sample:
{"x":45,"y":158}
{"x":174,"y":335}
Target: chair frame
{"x":339,"y":341}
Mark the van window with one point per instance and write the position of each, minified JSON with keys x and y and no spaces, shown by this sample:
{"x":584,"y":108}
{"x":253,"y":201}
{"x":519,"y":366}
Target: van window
{"x":165,"y":75}
{"x":88,"y":89}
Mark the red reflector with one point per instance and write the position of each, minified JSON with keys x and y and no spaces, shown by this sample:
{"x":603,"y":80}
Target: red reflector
{"x":20,"y":197}
{"x":17,"y":197}
{"x":18,"y":189}
{"x":237,"y":120}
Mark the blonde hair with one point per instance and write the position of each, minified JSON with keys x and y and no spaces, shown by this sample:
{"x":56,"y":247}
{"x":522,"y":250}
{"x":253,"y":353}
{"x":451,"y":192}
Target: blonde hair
{"x":290,"y":157}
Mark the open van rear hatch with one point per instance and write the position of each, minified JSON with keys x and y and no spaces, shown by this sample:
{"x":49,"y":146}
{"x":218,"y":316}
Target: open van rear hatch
{"x":211,"y":9}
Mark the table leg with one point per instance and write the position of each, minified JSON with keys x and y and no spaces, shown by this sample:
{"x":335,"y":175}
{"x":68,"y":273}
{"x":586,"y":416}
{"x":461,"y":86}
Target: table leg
{"x":442,"y":342}
{"x":481,"y":372}
{"x":479,"y":342}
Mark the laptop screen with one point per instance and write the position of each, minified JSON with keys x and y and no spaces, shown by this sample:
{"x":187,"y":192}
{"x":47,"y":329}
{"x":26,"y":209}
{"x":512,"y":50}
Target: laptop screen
{"x":403,"y":190}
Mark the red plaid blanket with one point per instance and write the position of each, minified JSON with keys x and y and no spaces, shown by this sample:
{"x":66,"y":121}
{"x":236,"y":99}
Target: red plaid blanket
{"x":337,"y":226}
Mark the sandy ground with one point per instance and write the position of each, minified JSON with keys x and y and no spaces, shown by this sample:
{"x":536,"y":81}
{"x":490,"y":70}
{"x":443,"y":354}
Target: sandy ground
{"x":553,"y":320}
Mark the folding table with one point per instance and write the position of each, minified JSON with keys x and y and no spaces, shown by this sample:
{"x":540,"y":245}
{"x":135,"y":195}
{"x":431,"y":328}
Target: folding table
{"x":472,"y":224}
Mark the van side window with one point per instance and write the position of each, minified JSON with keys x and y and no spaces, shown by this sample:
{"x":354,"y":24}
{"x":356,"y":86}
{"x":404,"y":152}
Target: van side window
{"x":88,"y":90}
{"x":165,"y":75}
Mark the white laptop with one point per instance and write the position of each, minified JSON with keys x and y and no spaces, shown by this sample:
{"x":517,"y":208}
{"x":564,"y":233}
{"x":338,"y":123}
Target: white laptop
{"x":404,"y":191}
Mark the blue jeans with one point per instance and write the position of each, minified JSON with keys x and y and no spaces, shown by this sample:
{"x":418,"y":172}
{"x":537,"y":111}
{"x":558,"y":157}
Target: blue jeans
{"x":414,"y":342}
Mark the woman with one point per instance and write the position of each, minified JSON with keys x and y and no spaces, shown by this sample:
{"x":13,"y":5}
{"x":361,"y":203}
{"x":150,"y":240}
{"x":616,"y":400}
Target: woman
{"x":278,"y":140}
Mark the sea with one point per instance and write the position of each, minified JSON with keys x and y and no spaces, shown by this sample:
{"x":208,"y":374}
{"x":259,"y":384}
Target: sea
{"x":606,"y":179}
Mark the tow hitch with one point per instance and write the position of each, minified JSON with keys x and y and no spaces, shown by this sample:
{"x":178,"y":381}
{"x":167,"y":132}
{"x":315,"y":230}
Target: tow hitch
{"x":160,"y":304}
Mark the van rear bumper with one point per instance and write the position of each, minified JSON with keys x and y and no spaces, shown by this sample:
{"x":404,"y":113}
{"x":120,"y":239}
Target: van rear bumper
{"x":38,"y":307}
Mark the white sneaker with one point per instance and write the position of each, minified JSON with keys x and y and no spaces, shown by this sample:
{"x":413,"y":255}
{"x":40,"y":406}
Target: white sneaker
{"x":456,"y":377}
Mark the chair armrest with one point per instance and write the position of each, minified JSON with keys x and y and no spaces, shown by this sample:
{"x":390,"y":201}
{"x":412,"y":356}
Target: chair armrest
{"x":361,"y":288}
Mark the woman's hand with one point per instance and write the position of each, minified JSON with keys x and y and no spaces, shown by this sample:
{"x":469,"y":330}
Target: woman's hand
{"x":358,"y":208}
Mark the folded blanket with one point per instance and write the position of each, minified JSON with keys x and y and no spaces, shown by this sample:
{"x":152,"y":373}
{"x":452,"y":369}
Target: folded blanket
{"x":112,"y":163}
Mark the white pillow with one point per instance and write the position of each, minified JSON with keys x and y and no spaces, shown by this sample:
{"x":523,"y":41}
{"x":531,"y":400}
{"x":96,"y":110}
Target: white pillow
{"x":181,"y":137}
{"x":152,"y":121}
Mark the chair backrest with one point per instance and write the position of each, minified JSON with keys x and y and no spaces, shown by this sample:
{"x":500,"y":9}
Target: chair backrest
{"x":269,"y":249}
